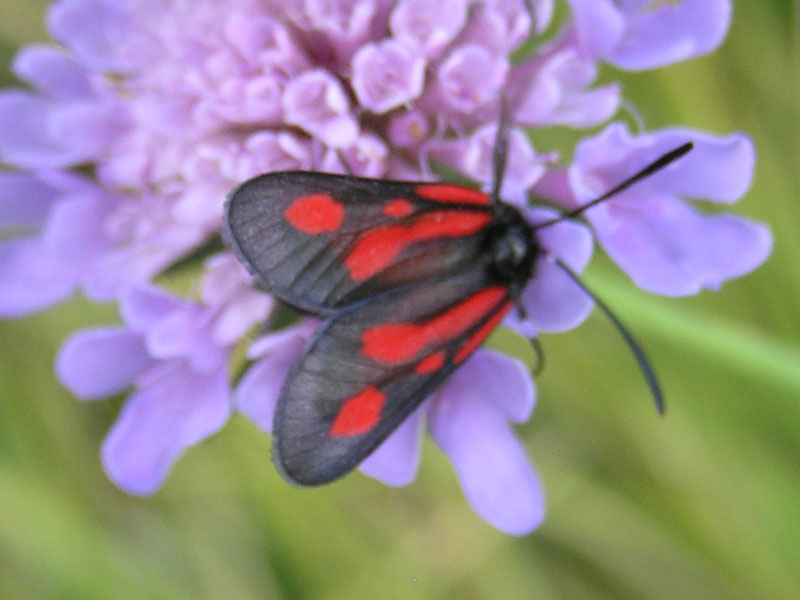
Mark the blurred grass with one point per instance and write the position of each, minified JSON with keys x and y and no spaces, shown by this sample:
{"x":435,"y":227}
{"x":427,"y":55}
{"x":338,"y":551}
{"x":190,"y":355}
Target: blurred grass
{"x":700,"y":504}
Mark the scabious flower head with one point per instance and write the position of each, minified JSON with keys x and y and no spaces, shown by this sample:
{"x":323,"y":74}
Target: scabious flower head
{"x":128,"y":135}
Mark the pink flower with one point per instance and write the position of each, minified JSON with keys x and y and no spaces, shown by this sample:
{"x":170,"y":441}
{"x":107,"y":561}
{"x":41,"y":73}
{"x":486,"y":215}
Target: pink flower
{"x":127,"y":139}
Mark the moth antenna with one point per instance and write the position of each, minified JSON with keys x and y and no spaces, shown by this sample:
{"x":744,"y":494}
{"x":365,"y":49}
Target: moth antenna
{"x":500,"y":151}
{"x":636,"y":349}
{"x":648,"y":170}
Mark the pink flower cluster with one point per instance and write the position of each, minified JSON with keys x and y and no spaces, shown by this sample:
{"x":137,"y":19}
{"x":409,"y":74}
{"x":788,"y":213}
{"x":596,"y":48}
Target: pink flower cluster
{"x":130,"y":132}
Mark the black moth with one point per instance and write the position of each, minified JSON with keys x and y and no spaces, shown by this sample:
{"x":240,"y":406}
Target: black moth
{"x":411,"y":278}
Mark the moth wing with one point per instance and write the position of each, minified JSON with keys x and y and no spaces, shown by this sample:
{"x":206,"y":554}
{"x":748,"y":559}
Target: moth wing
{"x":322,"y":242}
{"x":372,"y":364}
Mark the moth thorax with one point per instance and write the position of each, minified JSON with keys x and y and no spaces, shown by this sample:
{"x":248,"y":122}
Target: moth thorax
{"x":513,"y":252}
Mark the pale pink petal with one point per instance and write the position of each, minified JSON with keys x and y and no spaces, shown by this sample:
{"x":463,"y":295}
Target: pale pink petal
{"x":101,"y":362}
{"x":159,"y":422}
{"x":395,"y":461}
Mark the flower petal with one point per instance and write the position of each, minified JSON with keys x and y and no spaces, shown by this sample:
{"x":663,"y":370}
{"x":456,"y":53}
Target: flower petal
{"x":91,"y":29}
{"x":395,"y":461}
{"x":553,"y":302}
{"x":268,"y":151}
{"x":25,"y":137}
{"x":497,"y":479}
{"x":257,"y":393}
{"x":89,"y":128}
{"x":510,"y":380}
{"x":501,"y":25}
{"x":25,"y":200}
{"x":316,"y":102}
{"x":186,"y":333}
{"x":143,"y":306}
{"x":264,"y":40}
{"x":137,"y":261}
{"x":645,"y":35}
{"x":387,"y":75}
{"x":419,"y":23}
{"x":671,"y":33}
{"x":240,"y":314}
{"x":668,"y":248}
{"x":342,"y":21}
{"x":367,"y":157}
{"x":473,"y":157}
{"x":718,"y":168}
{"x":599,"y":26}
{"x":74,"y":231}
{"x":159,"y":422}
{"x":568,"y":241}
{"x":31,"y":278}
{"x":101,"y":362}
{"x":556,"y":92}
{"x":469,"y":77}
{"x":53,"y":73}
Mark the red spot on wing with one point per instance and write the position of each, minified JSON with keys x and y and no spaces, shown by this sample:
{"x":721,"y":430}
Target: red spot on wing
{"x":358,"y":414}
{"x":315,"y":214}
{"x":376,"y":249}
{"x":398,"y":208}
{"x":448,"y":192}
{"x":431,"y":363}
{"x":476,"y":339}
{"x":399,"y":342}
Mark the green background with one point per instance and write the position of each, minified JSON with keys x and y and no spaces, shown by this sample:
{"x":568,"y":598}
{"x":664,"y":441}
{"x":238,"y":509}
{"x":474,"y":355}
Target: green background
{"x":704,"y":503}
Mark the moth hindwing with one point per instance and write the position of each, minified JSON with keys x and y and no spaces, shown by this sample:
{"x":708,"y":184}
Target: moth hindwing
{"x":411,"y":278}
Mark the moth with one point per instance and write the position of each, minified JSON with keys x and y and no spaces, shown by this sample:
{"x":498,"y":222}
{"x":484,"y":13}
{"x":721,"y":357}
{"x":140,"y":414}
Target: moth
{"x":410,"y":279}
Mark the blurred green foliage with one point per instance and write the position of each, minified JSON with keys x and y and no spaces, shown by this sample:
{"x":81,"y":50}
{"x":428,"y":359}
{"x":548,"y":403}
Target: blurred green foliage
{"x":704,"y":503}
